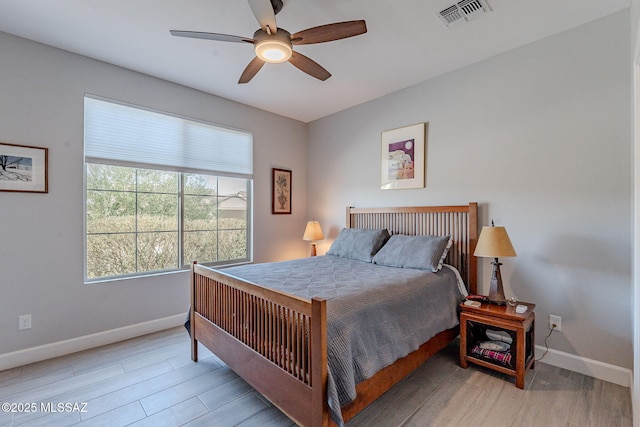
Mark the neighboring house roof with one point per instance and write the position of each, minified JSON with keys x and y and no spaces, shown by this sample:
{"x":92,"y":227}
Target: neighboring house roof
{"x":234,"y":202}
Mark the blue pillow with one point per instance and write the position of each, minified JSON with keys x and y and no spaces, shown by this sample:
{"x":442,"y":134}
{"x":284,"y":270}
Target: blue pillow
{"x":358,"y":243}
{"x":421,"y":252}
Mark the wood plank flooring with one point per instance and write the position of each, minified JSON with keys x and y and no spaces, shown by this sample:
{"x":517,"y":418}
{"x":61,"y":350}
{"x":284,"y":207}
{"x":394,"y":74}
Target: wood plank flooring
{"x":151,"y":381}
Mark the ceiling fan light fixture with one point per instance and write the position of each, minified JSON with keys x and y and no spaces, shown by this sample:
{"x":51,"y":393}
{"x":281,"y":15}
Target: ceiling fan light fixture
{"x":273,"y":51}
{"x":273,"y":48}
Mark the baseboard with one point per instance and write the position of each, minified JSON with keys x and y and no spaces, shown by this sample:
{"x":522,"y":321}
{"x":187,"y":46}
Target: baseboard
{"x":61,"y":348}
{"x":593,"y":368}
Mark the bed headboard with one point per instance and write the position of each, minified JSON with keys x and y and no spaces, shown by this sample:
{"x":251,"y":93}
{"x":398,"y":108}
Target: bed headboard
{"x":459,"y":221}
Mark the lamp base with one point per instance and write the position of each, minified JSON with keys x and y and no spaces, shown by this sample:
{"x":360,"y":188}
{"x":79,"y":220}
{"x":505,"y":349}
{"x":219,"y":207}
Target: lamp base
{"x":313,"y":250}
{"x":496,"y":292}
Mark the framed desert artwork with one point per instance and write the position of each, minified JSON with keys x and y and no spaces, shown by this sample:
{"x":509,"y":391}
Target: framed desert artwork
{"x":402,"y":157}
{"x":281,"y":191}
{"x":23,"y":168}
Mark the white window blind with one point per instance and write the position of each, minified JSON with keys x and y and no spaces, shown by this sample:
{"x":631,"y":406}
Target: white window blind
{"x":121,"y":133}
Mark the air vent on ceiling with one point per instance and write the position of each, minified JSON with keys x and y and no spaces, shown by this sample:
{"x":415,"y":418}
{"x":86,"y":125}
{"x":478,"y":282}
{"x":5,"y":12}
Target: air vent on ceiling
{"x":463,"y":11}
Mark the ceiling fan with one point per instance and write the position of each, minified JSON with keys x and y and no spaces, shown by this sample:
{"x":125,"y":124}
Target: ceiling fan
{"x":274,"y":45}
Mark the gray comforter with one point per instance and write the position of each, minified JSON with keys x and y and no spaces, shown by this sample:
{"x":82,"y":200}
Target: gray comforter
{"x":376,"y":314}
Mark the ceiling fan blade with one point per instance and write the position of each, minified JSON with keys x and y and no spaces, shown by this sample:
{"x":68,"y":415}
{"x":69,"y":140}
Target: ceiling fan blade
{"x":329,"y":32}
{"x":252,"y":69}
{"x":263,"y":11}
{"x":309,"y":66}
{"x":211,"y":36}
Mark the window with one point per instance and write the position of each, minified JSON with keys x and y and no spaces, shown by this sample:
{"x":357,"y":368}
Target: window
{"x":162,"y":191}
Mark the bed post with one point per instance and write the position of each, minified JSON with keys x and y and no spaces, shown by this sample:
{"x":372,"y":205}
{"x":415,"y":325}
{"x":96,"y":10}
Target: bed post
{"x":192,"y":314}
{"x":319,"y":363}
{"x":473,"y":240}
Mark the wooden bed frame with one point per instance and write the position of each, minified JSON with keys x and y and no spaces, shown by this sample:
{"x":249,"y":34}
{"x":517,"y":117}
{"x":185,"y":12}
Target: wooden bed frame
{"x":278,"y":342}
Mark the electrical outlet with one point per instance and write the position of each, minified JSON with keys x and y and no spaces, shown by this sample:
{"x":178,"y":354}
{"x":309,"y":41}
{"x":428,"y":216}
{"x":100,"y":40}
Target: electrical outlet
{"x":24,"y":322}
{"x":555,"y":320}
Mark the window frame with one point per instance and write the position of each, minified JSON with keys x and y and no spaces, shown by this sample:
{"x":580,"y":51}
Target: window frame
{"x":182,"y":171}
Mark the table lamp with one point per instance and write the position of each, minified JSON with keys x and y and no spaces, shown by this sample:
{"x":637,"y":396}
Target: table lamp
{"x":312,"y":233}
{"x":494,"y":243}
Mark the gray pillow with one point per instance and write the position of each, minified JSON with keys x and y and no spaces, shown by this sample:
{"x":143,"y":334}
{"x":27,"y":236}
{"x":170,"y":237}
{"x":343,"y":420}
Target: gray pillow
{"x":421,"y":252}
{"x":358,"y":243}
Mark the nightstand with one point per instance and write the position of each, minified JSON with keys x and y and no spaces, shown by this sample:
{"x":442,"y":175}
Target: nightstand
{"x":503,"y":322}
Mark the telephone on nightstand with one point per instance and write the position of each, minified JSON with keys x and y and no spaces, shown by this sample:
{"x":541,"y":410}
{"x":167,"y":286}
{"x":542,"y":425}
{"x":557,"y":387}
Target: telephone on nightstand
{"x":481,"y":298}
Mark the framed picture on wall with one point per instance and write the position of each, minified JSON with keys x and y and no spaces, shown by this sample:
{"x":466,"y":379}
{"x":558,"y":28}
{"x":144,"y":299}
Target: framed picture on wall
{"x":281,"y":191}
{"x":23,"y":168}
{"x":402,"y":157}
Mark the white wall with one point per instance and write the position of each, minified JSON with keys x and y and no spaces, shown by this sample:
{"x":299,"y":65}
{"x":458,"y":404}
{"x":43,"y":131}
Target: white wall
{"x":41,"y":242}
{"x":540,"y":137}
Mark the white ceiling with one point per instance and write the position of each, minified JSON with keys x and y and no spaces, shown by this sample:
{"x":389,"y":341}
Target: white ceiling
{"x":406,"y":42}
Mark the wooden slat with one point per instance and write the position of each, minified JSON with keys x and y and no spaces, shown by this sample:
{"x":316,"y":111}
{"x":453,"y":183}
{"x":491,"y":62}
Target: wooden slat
{"x":228,"y":309}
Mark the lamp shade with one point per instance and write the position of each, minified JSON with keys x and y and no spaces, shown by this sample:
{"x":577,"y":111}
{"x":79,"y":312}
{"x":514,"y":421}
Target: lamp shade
{"x":494,"y":242}
{"x":313,"y":231}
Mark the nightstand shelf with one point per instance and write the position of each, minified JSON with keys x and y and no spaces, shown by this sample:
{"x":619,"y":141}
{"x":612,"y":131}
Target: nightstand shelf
{"x":520,"y":328}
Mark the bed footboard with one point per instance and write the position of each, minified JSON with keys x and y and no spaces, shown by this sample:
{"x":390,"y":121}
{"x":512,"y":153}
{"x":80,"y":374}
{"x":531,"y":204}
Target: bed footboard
{"x":275,"y":341}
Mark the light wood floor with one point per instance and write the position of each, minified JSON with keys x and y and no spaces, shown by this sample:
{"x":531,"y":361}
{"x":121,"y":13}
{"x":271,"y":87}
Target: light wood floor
{"x":151,"y":381}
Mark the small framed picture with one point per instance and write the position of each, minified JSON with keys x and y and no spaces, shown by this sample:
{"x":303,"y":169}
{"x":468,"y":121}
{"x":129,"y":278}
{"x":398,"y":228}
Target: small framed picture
{"x":281,"y":191}
{"x":402,"y":157}
{"x":23,"y":168}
